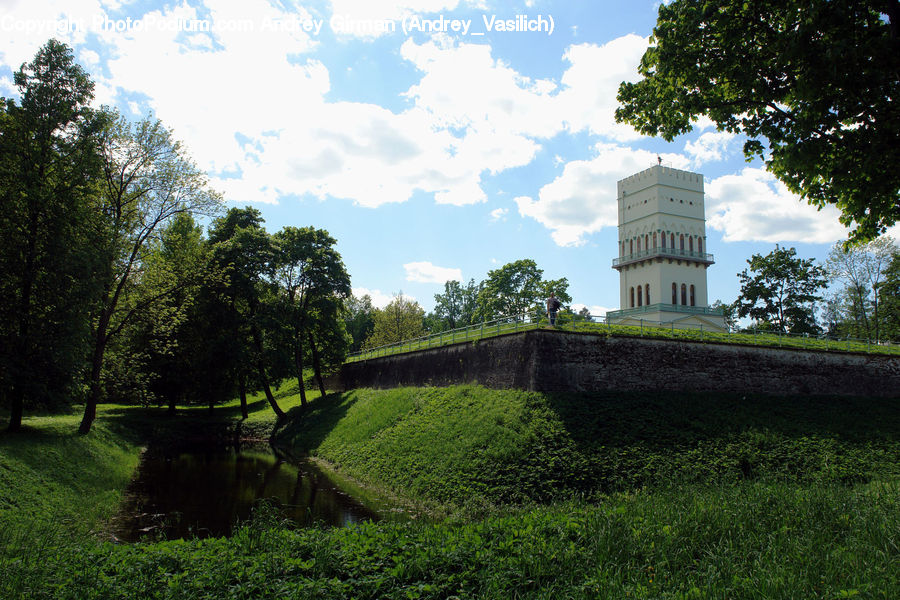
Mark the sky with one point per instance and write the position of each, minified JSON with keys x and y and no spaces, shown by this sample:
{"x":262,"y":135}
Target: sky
{"x":436,"y":140}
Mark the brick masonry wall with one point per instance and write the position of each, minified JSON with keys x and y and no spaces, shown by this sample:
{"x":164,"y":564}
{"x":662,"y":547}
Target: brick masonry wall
{"x":550,"y":360}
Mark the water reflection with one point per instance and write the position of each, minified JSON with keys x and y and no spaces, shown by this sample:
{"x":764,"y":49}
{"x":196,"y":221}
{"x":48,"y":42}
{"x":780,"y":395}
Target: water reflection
{"x":205,"y":491}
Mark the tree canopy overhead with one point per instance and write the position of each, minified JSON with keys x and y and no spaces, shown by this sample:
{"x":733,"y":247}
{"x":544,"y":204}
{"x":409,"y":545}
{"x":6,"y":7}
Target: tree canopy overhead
{"x":812,"y":84}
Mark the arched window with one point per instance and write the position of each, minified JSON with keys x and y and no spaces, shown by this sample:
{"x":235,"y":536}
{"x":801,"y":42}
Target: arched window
{"x":681,"y":242}
{"x":691,"y":243}
{"x":646,"y":241}
{"x":692,"y":295}
{"x":630,"y":246}
{"x":647,"y":294}
{"x":672,"y":240}
{"x":632,"y":298}
{"x":674,"y":293}
{"x":699,"y":244}
{"x":663,"y":240}
{"x":683,"y":295}
{"x":640,"y":296}
{"x":639,"y":244}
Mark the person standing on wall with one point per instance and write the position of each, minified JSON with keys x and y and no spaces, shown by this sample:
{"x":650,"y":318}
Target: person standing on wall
{"x":553,"y":305}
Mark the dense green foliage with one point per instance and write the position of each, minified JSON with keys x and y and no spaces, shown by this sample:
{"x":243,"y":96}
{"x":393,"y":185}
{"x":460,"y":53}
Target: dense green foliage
{"x":813,"y":85}
{"x":49,"y":226}
{"x":865,"y":304}
{"x":779,"y":291}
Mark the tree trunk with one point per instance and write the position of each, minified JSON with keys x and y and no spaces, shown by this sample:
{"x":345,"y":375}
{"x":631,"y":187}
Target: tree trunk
{"x":90,"y":405}
{"x":317,"y":366}
{"x":264,"y":380}
{"x":261,"y":371}
{"x":17,"y":403}
{"x":242,"y":388}
{"x":171,"y":409}
{"x":298,"y":363}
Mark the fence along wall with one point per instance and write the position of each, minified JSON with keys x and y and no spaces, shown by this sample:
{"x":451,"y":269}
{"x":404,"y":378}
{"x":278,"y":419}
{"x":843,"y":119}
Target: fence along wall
{"x":550,"y":360}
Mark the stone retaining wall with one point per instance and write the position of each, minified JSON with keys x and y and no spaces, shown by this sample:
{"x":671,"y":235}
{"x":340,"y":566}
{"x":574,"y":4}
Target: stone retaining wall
{"x":551,"y":360}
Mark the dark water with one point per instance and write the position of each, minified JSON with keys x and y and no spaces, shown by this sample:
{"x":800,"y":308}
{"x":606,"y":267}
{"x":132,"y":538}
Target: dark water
{"x":205,"y":491}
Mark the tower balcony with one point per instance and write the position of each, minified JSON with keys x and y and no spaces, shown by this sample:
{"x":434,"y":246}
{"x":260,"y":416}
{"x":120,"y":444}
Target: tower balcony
{"x":671,"y":253}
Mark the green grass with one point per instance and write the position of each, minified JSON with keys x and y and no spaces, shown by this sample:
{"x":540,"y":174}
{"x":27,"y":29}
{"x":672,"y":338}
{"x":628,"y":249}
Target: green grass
{"x":551,"y":496}
{"x":496,"y":328}
{"x":470,"y":445}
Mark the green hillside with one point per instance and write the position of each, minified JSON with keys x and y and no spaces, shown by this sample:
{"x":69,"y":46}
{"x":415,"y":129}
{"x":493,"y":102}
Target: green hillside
{"x":550,"y":496}
{"x":468,"y":445}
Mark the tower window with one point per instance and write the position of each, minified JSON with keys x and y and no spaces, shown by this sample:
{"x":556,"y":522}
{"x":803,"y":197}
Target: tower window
{"x":647,"y":294}
{"x":654,"y":240}
{"x":632,"y":298}
{"x":640,"y":296}
{"x":690,"y":243}
{"x":639,"y":244}
{"x":630,"y":246}
{"x":663,"y":236}
{"x":672,"y":240}
{"x":692,"y":295}
{"x":674,"y":293}
{"x":683,"y":295}
{"x":699,"y":244}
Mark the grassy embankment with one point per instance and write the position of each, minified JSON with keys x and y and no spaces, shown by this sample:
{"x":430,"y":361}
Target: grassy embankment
{"x":692,"y":496}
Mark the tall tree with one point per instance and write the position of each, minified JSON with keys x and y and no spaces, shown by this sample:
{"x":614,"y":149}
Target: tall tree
{"x":148,"y":180}
{"x":246,"y":254}
{"x":860,"y":269}
{"x":813,"y":85}
{"x":781,"y":290}
{"x":359,"y":319}
{"x":517,"y":288}
{"x":890,"y":299}
{"x":513,"y":289}
{"x":456,"y":307}
{"x":400,"y":320}
{"x":49,"y":170}
{"x":310,"y":275}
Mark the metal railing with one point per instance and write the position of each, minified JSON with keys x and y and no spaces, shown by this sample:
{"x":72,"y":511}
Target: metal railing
{"x":662,"y":253}
{"x":601,"y":324}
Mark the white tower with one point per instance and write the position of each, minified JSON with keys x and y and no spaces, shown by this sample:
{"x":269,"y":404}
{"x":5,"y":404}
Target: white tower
{"x":662,"y":258}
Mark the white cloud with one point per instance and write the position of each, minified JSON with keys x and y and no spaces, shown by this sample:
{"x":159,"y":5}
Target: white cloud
{"x":499,"y":214}
{"x":425,"y":272}
{"x":590,"y":84}
{"x":710,"y":146}
{"x":754,"y":206}
{"x":379,"y":298}
{"x":582,"y":200}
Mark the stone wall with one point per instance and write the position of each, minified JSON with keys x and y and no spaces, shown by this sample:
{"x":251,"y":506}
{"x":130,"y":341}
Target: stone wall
{"x":551,"y":360}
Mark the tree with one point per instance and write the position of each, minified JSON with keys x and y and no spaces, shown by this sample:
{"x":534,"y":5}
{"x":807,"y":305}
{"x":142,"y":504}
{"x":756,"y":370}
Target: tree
{"x":359,"y":320}
{"x":818,"y":82}
{"x":246,"y":254}
{"x":166,"y":336}
{"x":860,"y":269}
{"x":728,"y":311}
{"x":890,"y":298}
{"x":511,"y":290}
{"x":518,"y":288}
{"x":400,"y":320}
{"x":311,"y":275}
{"x":780,"y":291}
{"x":148,"y":180}
{"x":456,"y":307}
{"x":49,"y":171}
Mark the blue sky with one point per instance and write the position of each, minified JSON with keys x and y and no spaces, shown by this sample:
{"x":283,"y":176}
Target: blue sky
{"x":429,"y":153}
